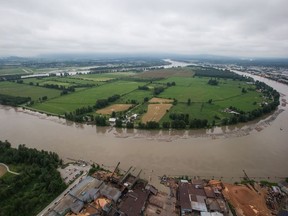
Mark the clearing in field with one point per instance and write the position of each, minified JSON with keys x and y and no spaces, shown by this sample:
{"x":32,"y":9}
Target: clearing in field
{"x":246,"y":201}
{"x":114,"y":108}
{"x":3,"y":170}
{"x":160,"y":100}
{"x":155,"y":112}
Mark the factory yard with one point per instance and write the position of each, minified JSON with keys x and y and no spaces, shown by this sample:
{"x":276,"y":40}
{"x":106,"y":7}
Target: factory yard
{"x":72,"y":172}
{"x":113,"y":193}
{"x":247,"y":201}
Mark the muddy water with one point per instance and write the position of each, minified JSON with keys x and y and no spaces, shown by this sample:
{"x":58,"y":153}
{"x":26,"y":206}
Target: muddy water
{"x":260,"y":148}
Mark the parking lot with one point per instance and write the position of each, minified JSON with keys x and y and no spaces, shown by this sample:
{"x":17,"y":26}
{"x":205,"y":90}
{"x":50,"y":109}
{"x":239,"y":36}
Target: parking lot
{"x":72,"y":171}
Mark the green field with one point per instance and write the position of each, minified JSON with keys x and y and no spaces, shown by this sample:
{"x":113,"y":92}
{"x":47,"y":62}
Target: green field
{"x":86,"y":97}
{"x":103,"y":77}
{"x":198,"y":90}
{"x":137,"y":95}
{"x":23,"y":90}
{"x":206,"y":101}
{"x":14,"y":70}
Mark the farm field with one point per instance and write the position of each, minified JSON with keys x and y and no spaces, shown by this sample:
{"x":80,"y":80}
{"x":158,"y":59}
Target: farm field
{"x":160,"y":100}
{"x":22,"y":90}
{"x":14,"y":70}
{"x":160,"y":73}
{"x":198,"y":90}
{"x":137,"y":95}
{"x":114,"y":108}
{"x":158,"y":95}
{"x":198,"y":111}
{"x":103,"y":77}
{"x":155,"y":112}
{"x":70,"y":102}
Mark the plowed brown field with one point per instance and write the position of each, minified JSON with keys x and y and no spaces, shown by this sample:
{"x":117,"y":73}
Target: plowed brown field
{"x":115,"y":107}
{"x":155,"y":112}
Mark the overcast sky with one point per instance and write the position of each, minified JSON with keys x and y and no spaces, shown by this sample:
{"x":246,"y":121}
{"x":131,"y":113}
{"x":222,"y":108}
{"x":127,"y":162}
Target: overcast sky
{"x":227,"y":27}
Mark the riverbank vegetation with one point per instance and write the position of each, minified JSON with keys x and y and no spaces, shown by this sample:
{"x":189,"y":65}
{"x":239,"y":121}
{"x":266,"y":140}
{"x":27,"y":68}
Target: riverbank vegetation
{"x":196,"y":97}
{"x":37,"y":185}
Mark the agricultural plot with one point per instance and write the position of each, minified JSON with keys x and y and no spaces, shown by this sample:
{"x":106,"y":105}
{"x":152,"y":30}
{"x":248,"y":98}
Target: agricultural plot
{"x":23,"y":90}
{"x":160,"y":100}
{"x":155,"y":112}
{"x":74,"y":80}
{"x":114,"y":108}
{"x":191,"y":95}
{"x":198,"y":90}
{"x":165,"y":73}
{"x":14,"y":70}
{"x":137,"y":95}
{"x":42,"y":82}
{"x":71,"y":102}
{"x":104,"y":77}
{"x":197,"y":110}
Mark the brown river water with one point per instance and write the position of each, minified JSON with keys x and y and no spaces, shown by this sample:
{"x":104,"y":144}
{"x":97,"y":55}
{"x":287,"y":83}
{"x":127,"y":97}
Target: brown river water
{"x":260,"y":147}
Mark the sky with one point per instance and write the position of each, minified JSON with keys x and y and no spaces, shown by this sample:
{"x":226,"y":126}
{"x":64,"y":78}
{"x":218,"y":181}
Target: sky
{"x":246,"y":28}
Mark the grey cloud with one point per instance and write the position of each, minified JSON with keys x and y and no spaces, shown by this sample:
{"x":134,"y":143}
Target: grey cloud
{"x":246,"y":28}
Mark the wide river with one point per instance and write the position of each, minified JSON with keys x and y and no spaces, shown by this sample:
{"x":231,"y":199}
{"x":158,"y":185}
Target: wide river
{"x":260,"y":148}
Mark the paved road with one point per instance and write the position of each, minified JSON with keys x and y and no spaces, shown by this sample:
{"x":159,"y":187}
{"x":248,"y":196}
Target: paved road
{"x":15,"y":173}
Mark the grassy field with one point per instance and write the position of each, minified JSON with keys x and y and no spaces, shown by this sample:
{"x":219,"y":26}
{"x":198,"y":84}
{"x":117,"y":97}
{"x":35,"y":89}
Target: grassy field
{"x":187,"y":87}
{"x":198,"y":90}
{"x":104,"y":77}
{"x":14,"y":70}
{"x":198,"y":111}
{"x":114,"y":108}
{"x":71,"y":102}
{"x":165,"y":73}
{"x":42,"y":82}
{"x":23,"y":90}
{"x":137,"y":95}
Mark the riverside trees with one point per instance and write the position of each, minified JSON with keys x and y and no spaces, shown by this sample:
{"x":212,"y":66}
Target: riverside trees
{"x":38,"y":184}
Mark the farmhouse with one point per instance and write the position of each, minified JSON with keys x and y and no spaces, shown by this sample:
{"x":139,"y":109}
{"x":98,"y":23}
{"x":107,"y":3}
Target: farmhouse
{"x":112,"y":120}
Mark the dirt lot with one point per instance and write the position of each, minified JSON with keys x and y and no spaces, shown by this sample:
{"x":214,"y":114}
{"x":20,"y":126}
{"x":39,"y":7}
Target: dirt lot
{"x":247,"y":202}
{"x":2,"y":170}
{"x":155,"y":112}
{"x":115,"y":107}
{"x":164,"y":73}
{"x":160,"y":100}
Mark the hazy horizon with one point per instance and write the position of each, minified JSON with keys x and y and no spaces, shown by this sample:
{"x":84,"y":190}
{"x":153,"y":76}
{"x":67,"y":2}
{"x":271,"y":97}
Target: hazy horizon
{"x":207,"y":27}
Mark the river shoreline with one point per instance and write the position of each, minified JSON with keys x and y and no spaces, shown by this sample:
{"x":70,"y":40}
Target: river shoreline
{"x":237,"y":130}
{"x":261,"y":153}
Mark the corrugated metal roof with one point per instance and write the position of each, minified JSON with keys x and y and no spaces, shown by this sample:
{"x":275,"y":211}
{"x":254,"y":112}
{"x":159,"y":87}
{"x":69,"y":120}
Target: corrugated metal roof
{"x":198,"y":206}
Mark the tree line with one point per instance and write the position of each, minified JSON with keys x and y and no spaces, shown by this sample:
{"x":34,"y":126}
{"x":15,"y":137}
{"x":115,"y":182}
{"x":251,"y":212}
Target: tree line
{"x":13,"y":100}
{"x":38,"y":184}
{"x":101,"y":103}
{"x":216,"y":73}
